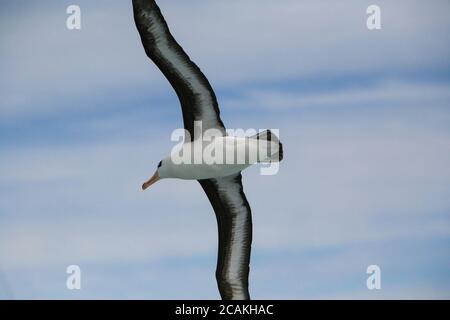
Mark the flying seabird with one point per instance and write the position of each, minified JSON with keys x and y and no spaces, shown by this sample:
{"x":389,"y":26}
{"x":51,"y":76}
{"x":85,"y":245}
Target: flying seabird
{"x":221,"y":182}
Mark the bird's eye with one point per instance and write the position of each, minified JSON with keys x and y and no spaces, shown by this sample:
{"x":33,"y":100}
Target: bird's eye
{"x":159,"y":164}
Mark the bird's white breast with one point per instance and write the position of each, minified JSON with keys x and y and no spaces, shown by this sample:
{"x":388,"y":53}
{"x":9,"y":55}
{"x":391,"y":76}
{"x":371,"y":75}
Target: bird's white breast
{"x":223,"y":156}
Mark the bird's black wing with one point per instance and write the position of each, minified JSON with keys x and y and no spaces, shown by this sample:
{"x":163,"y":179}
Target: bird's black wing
{"x":197,"y":98}
{"x":234,"y":220}
{"x":199,"y":103}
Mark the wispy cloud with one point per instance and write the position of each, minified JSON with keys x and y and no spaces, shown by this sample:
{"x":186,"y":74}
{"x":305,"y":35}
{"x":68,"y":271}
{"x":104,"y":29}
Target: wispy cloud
{"x":384,"y":94}
{"x":50,"y":69}
{"x":372,"y":175}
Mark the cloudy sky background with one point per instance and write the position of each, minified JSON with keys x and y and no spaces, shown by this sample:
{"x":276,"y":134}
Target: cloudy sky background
{"x":364,"y":117}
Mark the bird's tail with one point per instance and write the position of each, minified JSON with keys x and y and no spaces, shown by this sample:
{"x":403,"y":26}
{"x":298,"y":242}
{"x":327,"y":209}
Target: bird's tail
{"x":270,"y":146}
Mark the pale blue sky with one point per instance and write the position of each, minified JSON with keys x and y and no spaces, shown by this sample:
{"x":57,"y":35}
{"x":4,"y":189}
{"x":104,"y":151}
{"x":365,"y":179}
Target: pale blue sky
{"x":364,"y":117}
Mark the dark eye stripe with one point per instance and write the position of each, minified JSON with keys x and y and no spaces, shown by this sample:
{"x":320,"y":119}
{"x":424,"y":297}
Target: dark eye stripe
{"x":159,"y":164}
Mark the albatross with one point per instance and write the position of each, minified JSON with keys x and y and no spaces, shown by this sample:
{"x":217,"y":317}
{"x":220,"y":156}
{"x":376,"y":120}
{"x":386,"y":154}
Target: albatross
{"x":221,"y":181}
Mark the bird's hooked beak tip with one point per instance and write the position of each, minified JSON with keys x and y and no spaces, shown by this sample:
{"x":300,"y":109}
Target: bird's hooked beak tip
{"x":151,"y":181}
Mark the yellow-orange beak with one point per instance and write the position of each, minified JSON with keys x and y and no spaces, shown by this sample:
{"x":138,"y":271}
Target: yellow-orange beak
{"x":150,"y":181}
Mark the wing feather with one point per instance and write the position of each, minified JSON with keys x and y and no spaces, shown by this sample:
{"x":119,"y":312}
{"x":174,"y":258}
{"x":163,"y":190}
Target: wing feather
{"x":234,"y":221}
{"x":197,"y":98}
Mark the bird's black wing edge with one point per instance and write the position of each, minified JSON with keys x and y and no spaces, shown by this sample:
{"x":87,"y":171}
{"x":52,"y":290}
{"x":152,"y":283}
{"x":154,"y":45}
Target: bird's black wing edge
{"x":234,"y":221}
{"x":197,"y":98}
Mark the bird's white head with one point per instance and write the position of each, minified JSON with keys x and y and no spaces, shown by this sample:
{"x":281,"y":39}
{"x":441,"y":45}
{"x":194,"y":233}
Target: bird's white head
{"x":159,"y":174}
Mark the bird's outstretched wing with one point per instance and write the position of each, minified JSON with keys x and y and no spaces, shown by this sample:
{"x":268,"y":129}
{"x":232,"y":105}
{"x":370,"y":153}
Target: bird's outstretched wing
{"x":234,"y":221}
{"x":199,"y":103}
{"x":197,"y":98}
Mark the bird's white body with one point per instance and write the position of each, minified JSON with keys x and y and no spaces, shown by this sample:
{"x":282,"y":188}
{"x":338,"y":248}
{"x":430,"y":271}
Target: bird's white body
{"x":221,"y":157}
